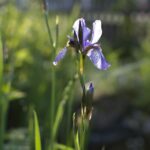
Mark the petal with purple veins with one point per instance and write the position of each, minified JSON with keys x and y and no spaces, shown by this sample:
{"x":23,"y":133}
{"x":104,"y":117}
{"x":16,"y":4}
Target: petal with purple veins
{"x":97,"y":31}
{"x":76,"y":26}
{"x":85,"y":30}
{"x":81,"y":31}
{"x":98,"y":59}
{"x":60,"y":56}
{"x":86,"y":33}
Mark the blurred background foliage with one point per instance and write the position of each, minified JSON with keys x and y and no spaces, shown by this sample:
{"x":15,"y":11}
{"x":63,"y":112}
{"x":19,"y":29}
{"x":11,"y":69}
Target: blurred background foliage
{"x":27,"y":56}
{"x":27,"y":48}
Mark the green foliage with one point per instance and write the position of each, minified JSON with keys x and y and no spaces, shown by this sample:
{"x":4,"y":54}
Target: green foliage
{"x":60,"y":110}
{"x":28,"y":49}
{"x":62,"y":147}
{"x":37,"y":133}
{"x":76,"y":141}
{"x":143,"y":99}
{"x":1,"y":60}
{"x":27,"y":52}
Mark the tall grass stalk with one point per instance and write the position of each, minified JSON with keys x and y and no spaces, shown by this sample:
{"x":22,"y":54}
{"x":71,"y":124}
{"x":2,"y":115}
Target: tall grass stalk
{"x":1,"y":60}
{"x":75,"y":133}
{"x":69,"y":116}
{"x":2,"y":109}
{"x":37,"y":132}
{"x":53,"y":76}
{"x":60,"y":111}
{"x":62,"y":147}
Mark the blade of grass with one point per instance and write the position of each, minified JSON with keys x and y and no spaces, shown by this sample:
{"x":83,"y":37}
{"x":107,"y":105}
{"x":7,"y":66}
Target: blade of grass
{"x":1,"y":60}
{"x":60,"y":110}
{"x":53,"y":74}
{"x":69,"y":116}
{"x":1,"y":108}
{"x":76,"y":141}
{"x":62,"y":147}
{"x":75,"y":133}
{"x":37,"y":132}
{"x":58,"y":117}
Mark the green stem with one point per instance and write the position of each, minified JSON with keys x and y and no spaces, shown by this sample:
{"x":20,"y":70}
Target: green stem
{"x":75,"y":133}
{"x":3,"y":114}
{"x":84,"y":134}
{"x":80,"y":68}
{"x":65,"y":97}
{"x":69,"y":110}
{"x":48,"y":29}
{"x":53,"y":79}
{"x":83,"y":128}
{"x":52,"y":102}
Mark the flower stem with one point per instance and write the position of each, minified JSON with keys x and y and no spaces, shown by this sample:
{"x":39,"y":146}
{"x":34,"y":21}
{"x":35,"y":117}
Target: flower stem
{"x":53,"y":75}
{"x":80,"y":69}
{"x":48,"y":28}
{"x":82,"y":127}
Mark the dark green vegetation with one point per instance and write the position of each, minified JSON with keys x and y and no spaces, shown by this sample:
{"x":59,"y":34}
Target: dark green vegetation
{"x":27,"y":62}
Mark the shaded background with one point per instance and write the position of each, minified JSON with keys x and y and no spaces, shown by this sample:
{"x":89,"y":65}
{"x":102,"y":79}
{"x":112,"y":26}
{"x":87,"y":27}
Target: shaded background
{"x":121,"y":101}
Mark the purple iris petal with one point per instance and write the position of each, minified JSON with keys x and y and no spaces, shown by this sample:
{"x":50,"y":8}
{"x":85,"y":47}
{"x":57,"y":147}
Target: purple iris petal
{"x":60,"y":56}
{"x":85,"y":31}
{"x":98,"y":59}
{"x":97,"y":31}
{"x":80,"y":41}
{"x":76,"y":26}
{"x":91,"y":88}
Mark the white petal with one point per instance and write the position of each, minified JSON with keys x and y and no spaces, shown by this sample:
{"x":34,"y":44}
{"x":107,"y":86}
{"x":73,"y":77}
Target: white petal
{"x":76,"y":26}
{"x":97,"y":31}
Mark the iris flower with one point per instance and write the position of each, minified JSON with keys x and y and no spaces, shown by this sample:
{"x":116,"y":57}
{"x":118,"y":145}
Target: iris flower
{"x":82,"y":44}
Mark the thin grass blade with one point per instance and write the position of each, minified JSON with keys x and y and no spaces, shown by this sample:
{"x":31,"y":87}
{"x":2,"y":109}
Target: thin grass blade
{"x":1,"y":60}
{"x":60,"y":110}
{"x":76,"y":141}
{"x":58,"y":117}
{"x":37,"y":132}
{"x":62,"y":147}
